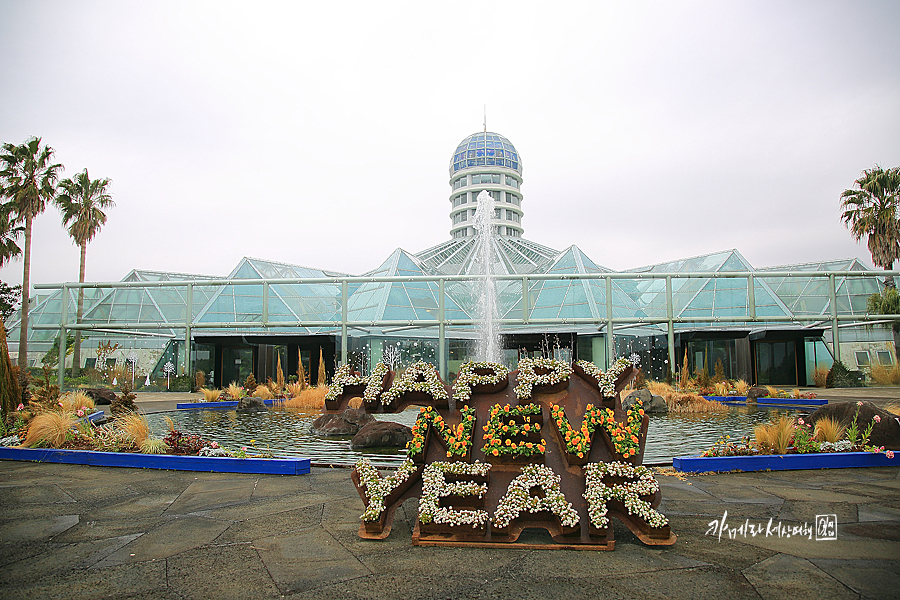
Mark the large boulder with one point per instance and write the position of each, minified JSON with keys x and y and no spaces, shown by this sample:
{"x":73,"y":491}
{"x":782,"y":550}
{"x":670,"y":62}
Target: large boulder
{"x":249,"y":404}
{"x":645,"y":396}
{"x":382,"y":434}
{"x":885,"y":432}
{"x":756,"y":392}
{"x":100,"y":396}
{"x":657,"y":406}
{"x":348,"y":422}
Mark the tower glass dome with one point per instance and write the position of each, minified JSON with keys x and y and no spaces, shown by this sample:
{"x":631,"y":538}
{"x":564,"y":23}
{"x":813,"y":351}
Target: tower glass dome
{"x":486,"y":162}
{"x":485,"y":149}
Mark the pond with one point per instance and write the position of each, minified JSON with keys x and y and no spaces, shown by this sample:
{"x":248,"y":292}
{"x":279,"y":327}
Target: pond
{"x":285,"y":432}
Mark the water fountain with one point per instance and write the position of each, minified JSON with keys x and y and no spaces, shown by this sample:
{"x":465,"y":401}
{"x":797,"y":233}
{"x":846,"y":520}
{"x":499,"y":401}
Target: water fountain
{"x":488,"y":346}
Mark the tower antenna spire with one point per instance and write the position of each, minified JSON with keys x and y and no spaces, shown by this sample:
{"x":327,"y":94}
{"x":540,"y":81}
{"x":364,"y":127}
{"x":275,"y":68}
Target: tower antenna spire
{"x":485,"y":118}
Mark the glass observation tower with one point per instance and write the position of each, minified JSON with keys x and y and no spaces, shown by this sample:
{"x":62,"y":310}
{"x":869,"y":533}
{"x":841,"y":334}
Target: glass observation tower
{"x":486,"y":161}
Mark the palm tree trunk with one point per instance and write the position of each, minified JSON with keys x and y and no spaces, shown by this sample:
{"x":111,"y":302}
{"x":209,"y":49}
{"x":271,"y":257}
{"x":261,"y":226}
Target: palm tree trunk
{"x":22,"y":358}
{"x":889,"y":279}
{"x":76,"y":353}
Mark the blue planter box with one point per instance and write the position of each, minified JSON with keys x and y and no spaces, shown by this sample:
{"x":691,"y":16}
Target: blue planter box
{"x":209,"y":464}
{"x":770,"y":401}
{"x":783,"y":462}
{"x":218,"y":405}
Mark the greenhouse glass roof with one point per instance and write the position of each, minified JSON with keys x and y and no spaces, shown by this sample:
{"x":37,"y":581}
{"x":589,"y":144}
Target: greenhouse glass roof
{"x":562,"y":298}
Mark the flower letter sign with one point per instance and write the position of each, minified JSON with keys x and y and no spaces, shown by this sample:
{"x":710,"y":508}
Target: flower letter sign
{"x":546,"y":446}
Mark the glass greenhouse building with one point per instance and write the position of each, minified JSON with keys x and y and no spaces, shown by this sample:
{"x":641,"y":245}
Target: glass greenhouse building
{"x":767,"y":326}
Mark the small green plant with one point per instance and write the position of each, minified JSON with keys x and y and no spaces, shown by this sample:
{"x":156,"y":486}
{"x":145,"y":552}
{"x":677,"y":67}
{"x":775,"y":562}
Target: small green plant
{"x":804,"y":438}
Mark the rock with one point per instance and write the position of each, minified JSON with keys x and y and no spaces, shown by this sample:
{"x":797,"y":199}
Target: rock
{"x":645,"y":396}
{"x":249,"y":404}
{"x":657,"y":406}
{"x":382,"y":434}
{"x":756,"y":392}
{"x":884,"y":433}
{"x":100,"y":395}
{"x":348,"y":422}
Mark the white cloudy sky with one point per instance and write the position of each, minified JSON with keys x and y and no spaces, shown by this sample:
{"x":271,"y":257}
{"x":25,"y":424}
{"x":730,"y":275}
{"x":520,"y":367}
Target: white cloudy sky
{"x":320,"y":133}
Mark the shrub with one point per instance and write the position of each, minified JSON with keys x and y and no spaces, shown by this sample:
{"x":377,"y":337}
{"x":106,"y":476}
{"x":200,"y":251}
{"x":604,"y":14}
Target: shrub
{"x":124,"y":402}
{"x":840,"y":376}
{"x":719,"y":372}
{"x":250,"y":383}
{"x":153,"y":445}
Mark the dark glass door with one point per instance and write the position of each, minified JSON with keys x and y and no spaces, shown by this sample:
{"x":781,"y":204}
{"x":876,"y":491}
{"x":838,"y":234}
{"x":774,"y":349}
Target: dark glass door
{"x":776,"y":363}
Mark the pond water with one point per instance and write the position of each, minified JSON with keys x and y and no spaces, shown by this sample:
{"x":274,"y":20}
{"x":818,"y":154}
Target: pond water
{"x":285,"y":432}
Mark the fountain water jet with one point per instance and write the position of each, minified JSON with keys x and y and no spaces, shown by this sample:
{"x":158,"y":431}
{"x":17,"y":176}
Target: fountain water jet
{"x":488,"y":346}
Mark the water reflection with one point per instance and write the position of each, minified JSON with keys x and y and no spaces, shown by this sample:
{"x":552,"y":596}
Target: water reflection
{"x":285,"y":432}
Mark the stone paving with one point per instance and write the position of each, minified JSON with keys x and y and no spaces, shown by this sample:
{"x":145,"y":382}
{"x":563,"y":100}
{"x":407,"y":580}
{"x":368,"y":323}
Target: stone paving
{"x":78,"y":532}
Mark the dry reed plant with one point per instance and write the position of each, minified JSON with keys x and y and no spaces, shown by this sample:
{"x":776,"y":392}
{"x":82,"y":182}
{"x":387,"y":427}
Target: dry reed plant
{"x":795,"y":393}
{"x":741,"y":387}
{"x":773,"y":391}
{"x":210,"y":394}
{"x":134,"y":426}
{"x":829,"y":430}
{"x":292,"y":390}
{"x":263,"y":392}
{"x":50,"y":427}
{"x":679,"y":402}
{"x":169,"y":423}
{"x":820,"y":376}
{"x":721,"y":389}
{"x":659,"y":388}
{"x":234,"y":391}
{"x":311,"y":397}
{"x":886,"y":375}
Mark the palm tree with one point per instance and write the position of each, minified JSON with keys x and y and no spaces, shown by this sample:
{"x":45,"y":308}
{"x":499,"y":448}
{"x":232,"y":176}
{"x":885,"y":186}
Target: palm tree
{"x":873,"y":210}
{"x":10,"y":232}
{"x":82,"y":202}
{"x":28,"y":181}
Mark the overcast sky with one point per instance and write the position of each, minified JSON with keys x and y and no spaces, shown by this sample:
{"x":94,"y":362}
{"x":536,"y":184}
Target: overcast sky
{"x":320,"y":133}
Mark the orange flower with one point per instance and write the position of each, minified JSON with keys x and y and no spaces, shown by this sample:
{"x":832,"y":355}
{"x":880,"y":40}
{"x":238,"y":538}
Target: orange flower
{"x":494,"y":452}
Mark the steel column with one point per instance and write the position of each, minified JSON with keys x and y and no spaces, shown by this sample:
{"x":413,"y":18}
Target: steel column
{"x":63,"y":318}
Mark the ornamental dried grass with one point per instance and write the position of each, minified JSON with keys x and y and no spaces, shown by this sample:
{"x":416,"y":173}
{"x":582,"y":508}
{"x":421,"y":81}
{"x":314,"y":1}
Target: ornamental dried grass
{"x":210,"y":394}
{"x":772,"y":391}
{"x":659,"y":388}
{"x":263,"y":392}
{"x":311,"y":397}
{"x":71,"y":402}
{"x":355,"y":402}
{"x":292,"y":390}
{"x":886,"y":375}
{"x":741,"y":387}
{"x":50,"y":427}
{"x":829,"y":429}
{"x":820,"y":376}
{"x":893,"y":408}
{"x":776,"y":436}
{"x":134,"y":426}
{"x":680,"y":402}
{"x":234,"y":391}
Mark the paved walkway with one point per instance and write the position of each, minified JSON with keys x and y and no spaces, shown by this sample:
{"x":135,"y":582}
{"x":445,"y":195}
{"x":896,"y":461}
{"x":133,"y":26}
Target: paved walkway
{"x":80,"y":532}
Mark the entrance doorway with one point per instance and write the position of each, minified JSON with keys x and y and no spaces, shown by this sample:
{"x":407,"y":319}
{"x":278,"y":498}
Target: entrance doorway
{"x":776,"y":362}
